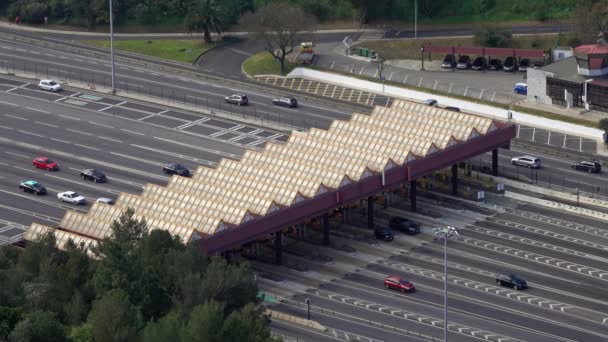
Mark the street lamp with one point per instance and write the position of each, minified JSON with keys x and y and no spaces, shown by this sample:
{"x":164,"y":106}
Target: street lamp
{"x":445,"y":234}
{"x":112,"y":45}
{"x":308,"y":304}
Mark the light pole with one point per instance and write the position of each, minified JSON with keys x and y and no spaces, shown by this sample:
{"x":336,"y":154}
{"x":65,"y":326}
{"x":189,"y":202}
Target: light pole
{"x":112,"y":45}
{"x":308,"y":304}
{"x":415,"y":19}
{"x":445,"y":234}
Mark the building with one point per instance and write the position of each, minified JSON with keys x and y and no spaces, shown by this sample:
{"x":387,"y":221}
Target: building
{"x":577,"y":81}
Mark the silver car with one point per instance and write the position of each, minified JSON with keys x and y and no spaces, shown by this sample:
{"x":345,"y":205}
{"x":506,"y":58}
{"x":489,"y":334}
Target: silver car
{"x":527,"y":161}
{"x":71,"y":197}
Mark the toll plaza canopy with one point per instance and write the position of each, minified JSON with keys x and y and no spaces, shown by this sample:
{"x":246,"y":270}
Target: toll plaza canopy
{"x":287,"y":183}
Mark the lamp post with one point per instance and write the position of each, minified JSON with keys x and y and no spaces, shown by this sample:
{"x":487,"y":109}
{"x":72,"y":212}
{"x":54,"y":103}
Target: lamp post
{"x":445,"y":234}
{"x":112,"y":46}
{"x":308,"y":304}
{"x":415,"y":19}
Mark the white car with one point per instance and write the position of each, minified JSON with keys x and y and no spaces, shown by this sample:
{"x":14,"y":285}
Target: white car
{"x":105,"y":200}
{"x":527,"y":161}
{"x":71,"y":197}
{"x":49,"y":85}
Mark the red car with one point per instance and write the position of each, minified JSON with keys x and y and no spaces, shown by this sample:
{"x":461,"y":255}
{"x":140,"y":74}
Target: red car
{"x":398,"y":283}
{"x":45,"y":163}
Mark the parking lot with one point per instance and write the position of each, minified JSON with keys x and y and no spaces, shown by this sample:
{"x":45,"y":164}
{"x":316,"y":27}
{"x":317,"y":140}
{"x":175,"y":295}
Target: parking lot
{"x":556,"y":139}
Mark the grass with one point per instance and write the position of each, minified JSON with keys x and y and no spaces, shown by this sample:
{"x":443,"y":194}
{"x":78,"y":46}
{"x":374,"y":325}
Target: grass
{"x":554,"y":116}
{"x":264,"y":64}
{"x":186,"y":50}
{"x":410,"y":49}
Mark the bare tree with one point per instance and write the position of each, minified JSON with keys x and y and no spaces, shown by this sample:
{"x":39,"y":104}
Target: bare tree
{"x":278,"y":24}
{"x":591,"y":20}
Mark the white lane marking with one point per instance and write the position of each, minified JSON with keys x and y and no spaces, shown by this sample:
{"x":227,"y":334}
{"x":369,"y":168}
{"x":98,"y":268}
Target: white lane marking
{"x":85,"y":146}
{"x":77,"y":131}
{"x":9,"y":103}
{"x":138,"y":159}
{"x":102,"y":125}
{"x":111,"y":139}
{"x":69,"y":117}
{"x":225,"y":154}
{"x":63,"y":141}
{"x":30,"y":133}
{"x":38,"y":110}
{"x":9,"y":128}
{"x":16,"y":117}
{"x":17,"y":155}
{"x":114,"y":179}
{"x":126,"y":130}
{"x":46,"y":124}
{"x":198,"y":160}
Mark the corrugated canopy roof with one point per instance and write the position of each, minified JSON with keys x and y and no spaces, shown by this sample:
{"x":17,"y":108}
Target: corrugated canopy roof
{"x":307,"y":165}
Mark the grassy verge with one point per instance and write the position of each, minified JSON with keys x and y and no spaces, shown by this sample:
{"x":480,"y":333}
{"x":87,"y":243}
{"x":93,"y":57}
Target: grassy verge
{"x":178,"y":50}
{"x":264,"y":64}
{"x":410,"y":49}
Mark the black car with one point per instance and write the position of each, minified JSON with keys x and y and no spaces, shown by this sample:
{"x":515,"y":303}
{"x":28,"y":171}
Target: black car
{"x":510,"y":64}
{"x":33,"y":187}
{"x":404,"y":225}
{"x":176,"y":169}
{"x":383,"y":234}
{"x":449,"y":61}
{"x":511,"y":280}
{"x":93,"y":175}
{"x":524,"y":64}
{"x":479,"y":63}
{"x":285,"y":101}
{"x":588,"y":166}
{"x":464,"y":62}
{"x":453,"y":109}
{"x":494,"y":64}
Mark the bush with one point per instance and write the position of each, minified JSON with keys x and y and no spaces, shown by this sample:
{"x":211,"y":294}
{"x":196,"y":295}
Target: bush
{"x":34,"y":12}
{"x":493,"y":37}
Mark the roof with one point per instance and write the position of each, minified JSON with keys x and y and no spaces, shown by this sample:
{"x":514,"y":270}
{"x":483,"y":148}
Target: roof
{"x":565,"y":69}
{"x":31,"y":182}
{"x":591,"y":49}
{"x":284,"y":174}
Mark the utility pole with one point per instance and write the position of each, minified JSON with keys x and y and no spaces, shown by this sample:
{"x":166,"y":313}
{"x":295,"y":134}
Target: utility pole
{"x":112,"y":46}
{"x":445,"y":234}
{"x":415,"y":19}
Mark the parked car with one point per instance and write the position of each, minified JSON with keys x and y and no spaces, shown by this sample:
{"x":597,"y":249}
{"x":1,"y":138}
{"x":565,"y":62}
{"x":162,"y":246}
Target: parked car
{"x":71,"y":197}
{"x":524,"y":64}
{"x":527,"y":161}
{"x":510,"y":64}
{"x":464,"y":62}
{"x":521,"y":88}
{"x":33,"y":187}
{"x":453,"y":109}
{"x":479,"y":63}
{"x":176,"y":169}
{"x":404,"y":225}
{"x":538,"y":65}
{"x":45,"y":163}
{"x":240,"y":100}
{"x":398,"y":283}
{"x":588,"y":166}
{"x":511,"y":280}
{"x":105,"y":200}
{"x":285,"y":101}
{"x":384,"y":234}
{"x":93,"y":175}
{"x":49,"y":85}
{"x":494,"y":64}
{"x":449,"y":61}
{"x":431,"y":102}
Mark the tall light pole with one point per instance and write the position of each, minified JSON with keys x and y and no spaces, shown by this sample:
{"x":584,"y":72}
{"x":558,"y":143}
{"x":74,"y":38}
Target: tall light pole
{"x":415,"y":19}
{"x":112,"y":45}
{"x":445,"y":234}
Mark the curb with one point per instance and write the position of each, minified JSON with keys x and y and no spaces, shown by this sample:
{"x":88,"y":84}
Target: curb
{"x":297,"y":320}
{"x":558,"y":206}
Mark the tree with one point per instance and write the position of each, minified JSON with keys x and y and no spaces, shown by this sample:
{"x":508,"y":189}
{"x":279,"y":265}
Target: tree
{"x":590,"y":20}
{"x":165,"y":329}
{"x":362,"y":7}
{"x":113,"y":318}
{"x":205,"y":16}
{"x":9,"y":317}
{"x":247,"y":325}
{"x":205,"y":323}
{"x":39,"y":326}
{"x":492,"y":37}
{"x":277,"y":24}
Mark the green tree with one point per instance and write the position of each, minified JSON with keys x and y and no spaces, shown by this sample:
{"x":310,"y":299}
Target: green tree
{"x":591,"y":20}
{"x":39,"y":326}
{"x":82,"y":333}
{"x":205,"y":16}
{"x":492,"y":37}
{"x":9,"y":317}
{"x":205,"y":323}
{"x":113,"y":318}
{"x":247,"y":325}
{"x":165,"y":329}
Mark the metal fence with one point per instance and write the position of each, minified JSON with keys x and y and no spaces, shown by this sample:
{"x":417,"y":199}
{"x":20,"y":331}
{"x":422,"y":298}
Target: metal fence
{"x":190,"y":100}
